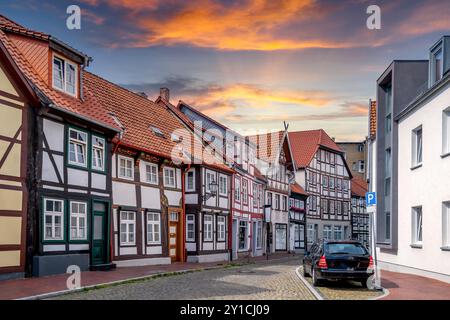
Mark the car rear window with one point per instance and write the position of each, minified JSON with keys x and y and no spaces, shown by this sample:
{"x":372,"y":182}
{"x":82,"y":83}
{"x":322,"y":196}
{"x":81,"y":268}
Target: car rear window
{"x":345,"y":248}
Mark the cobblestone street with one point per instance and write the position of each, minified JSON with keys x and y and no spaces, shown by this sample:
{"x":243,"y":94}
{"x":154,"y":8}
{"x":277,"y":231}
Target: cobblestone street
{"x":272,"y":280}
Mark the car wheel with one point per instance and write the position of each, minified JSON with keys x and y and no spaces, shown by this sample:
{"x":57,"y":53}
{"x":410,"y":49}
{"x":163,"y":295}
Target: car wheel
{"x":364,"y":284}
{"x":305,"y":274}
{"x":316,"y":282}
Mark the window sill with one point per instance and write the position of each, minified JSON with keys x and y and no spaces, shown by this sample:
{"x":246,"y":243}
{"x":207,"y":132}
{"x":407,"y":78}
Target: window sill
{"x":445,"y":155}
{"x":446,"y":248}
{"x":416,"y":166}
{"x":416,"y":246}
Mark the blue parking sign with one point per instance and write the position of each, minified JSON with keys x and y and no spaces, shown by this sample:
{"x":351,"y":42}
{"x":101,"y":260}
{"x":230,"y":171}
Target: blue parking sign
{"x":371,"y":199}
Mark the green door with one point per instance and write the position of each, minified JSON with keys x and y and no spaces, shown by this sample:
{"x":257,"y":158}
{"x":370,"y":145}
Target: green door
{"x":99,"y":236}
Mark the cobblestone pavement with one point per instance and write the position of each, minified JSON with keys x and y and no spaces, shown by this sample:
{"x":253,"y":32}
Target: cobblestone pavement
{"x":343,"y":290}
{"x":270,"y":280}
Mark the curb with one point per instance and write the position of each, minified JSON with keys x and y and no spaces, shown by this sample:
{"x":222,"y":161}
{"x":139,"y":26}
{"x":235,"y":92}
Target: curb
{"x":386,"y":292}
{"x":310,"y":287}
{"x":141,"y":278}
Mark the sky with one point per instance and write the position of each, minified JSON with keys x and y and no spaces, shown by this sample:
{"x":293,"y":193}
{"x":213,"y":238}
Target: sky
{"x":250,"y":64}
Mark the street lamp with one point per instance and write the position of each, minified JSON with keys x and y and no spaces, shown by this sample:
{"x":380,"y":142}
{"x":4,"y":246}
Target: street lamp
{"x":212,"y":191}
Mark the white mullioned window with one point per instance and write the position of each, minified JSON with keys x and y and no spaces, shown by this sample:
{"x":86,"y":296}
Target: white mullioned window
{"x":237,"y":189}
{"x":98,"y":153}
{"x":127,"y":227}
{"x":338,"y":233}
{"x":210,"y":179}
{"x":446,"y":131}
{"x":153,"y":228}
{"x":417,"y":146}
{"x":277,"y":202}
{"x":223,"y":185}
{"x":327,"y":233}
{"x":416,"y":224}
{"x":207,"y":227}
{"x":151,"y":173}
{"x":221,"y":226}
{"x":169,"y":177}
{"x":190,"y":180}
{"x":78,"y":220}
{"x":126,"y":166}
{"x":190,"y":227}
{"x":446,"y":225}
{"x":53,"y":219}
{"x":244,"y":191}
{"x":65,"y":75}
{"x":77,"y":147}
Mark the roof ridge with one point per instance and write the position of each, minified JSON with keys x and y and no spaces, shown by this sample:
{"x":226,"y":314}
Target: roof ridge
{"x":12,"y":22}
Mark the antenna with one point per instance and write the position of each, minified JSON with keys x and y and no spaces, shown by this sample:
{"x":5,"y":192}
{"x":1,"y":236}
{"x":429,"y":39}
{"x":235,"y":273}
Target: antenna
{"x":286,"y":125}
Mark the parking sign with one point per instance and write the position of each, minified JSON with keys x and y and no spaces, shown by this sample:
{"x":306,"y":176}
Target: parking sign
{"x":371,"y":199}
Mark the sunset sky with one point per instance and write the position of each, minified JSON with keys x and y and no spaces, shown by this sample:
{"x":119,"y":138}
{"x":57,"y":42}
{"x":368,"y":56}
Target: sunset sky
{"x":249,"y":64}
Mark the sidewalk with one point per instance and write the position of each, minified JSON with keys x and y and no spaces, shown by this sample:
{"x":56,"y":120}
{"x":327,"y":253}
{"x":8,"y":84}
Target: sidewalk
{"x":404,"y":286}
{"x":29,"y":287}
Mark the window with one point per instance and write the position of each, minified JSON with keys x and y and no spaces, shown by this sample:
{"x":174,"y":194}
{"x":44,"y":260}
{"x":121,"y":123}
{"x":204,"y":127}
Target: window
{"x":416,"y":234}
{"x":237,"y":189}
{"x":126,"y":168}
{"x":223,"y":185}
{"x":190,"y":227}
{"x":210,"y":179}
{"x":338,"y":207}
{"x":331,"y":206}
{"x":259,"y":234}
{"x":277,"y":202}
{"x":324,"y":205}
{"x":190,"y":180}
{"x":388,"y":124}
{"x":284,"y":203}
{"x":269,"y":199}
{"x":446,"y":224}
{"x":360,"y":148}
{"x":437,"y":66}
{"x":361,"y":166}
{"x":280,"y":236}
{"x":417,"y":146}
{"x":255,"y":195}
{"x":78,"y":218}
{"x":242,"y":235}
{"x":151,"y":173}
{"x":387,"y":231}
{"x":220,"y":228}
{"x":169,"y":177}
{"x":327,"y":233}
{"x":153,"y":228}
{"x":345,"y":184}
{"x":98,"y":153}
{"x":388,"y":163}
{"x":53,"y":219}
{"x":338,"y":233}
{"x":446,"y":131}
{"x":127,"y":227}
{"x":312,"y":232}
{"x":338,"y":183}
{"x":207,"y":228}
{"x":245,"y":191}
{"x":325,"y":181}
{"x":77,"y":147}
{"x":64,"y":75}
{"x":331,"y":183}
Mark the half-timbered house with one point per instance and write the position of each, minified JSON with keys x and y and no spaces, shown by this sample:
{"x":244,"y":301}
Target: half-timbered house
{"x":297,"y":218}
{"x":360,"y":217}
{"x":275,"y":162}
{"x":68,"y":165}
{"x":248,"y":185}
{"x":325,"y":176}
{"x":207,"y":188}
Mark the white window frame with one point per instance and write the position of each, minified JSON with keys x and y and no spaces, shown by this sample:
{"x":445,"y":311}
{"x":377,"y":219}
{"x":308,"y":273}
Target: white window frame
{"x":259,"y":234}
{"x":338,"y":229}
{"x":417,"y":225}
{"x":417,"y":145}
{"x":78,"y":216}
{"x":168,"y":178}
{"x":241,"y":225}
{"x":244,"y":191}
{"x":192,"y":171}
{"x":153,"y":227}
{"x":221,"y":228}
{"x":64,"y":75}
{"x":237,"y":189}
{"x":190,"y":221}
{"x":446,"y":225}
{"x":127,"y":222}
{"x":361,"y":166}
{"x":149,"y":175}
{"x":327,"y":229}
{"x":208,"y":227}
{"x":53,"y":214}
{"x":210,"y":178}
{"x":77,"y":142}
{"x":95,"y":147}
{"x":446,"y":131}
{"x":277,"y":202}
{"x":119,"y":165}
{"x":223,"y":185}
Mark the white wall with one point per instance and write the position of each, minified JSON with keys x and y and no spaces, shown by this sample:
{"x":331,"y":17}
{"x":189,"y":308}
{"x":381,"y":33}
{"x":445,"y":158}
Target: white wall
{"x":427,"y":186}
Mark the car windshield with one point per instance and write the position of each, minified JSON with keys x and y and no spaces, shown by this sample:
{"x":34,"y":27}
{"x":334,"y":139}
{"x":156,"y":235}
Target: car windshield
{"x":345,"y":248}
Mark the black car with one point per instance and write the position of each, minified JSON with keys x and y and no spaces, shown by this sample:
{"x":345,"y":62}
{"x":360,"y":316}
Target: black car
{"x":338,"y":260}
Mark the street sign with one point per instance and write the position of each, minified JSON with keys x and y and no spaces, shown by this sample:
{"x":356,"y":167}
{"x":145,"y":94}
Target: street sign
{"x":371,"y":199}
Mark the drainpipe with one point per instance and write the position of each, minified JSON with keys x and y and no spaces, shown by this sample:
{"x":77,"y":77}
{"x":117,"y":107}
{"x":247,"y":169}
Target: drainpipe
{"x":183,"y":214}
{"x":230,"y":221}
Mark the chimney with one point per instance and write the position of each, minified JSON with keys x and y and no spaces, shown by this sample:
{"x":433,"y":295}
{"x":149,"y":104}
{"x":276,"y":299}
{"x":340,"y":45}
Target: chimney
{"x":164,"y":93}
{"x":142,"y":94}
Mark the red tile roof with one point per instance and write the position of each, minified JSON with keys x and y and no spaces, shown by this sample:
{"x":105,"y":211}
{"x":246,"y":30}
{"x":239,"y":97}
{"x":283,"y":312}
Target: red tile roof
{"x":305,"y":144}
{"x":359,"y":187}
{"x":296,"y":188}
{"x":373,"y":119}
{"x":268,"y":145}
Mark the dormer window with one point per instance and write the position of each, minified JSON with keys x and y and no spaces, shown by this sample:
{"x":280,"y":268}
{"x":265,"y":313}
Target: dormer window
{"x":437,"y":65}
{"x":157,"y":131}
{"x":65,"y":75}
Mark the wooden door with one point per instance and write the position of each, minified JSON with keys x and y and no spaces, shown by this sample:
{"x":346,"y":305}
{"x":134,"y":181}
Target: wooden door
{"x":174,"y":234}
{"x":99,"y":233}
